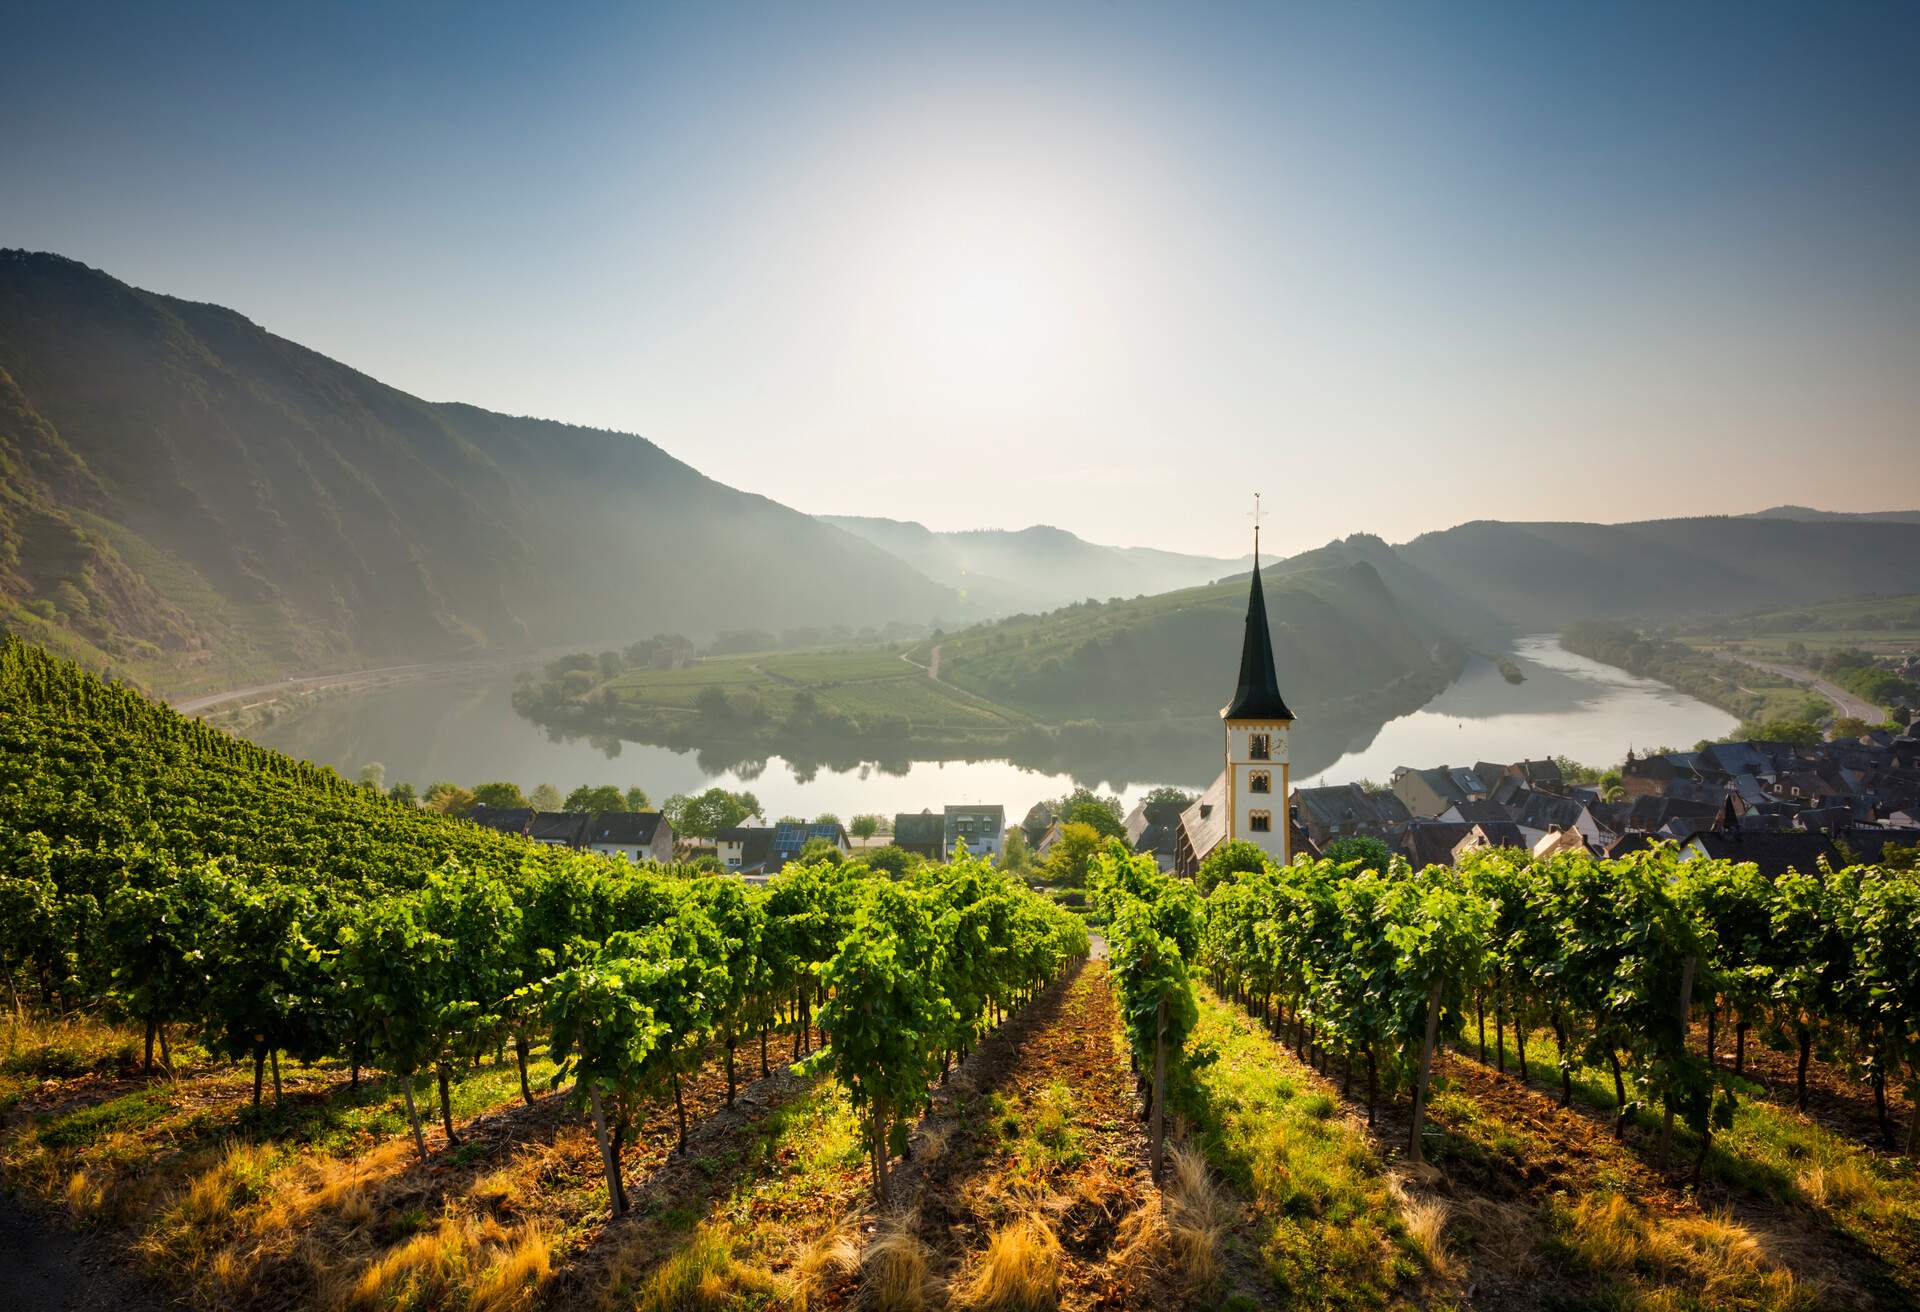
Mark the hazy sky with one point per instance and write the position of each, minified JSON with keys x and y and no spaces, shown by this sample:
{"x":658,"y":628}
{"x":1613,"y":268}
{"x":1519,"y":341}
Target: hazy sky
{"x":1105,"y":267}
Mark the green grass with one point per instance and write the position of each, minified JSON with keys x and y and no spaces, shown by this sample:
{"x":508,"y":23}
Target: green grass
{"x":1328,"y":1234}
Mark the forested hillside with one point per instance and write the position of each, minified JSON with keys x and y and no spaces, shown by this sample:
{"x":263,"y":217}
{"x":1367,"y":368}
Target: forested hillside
{"x":192,"y":500}
{"x":1540,"y":577}
{"x":1339,"y":634}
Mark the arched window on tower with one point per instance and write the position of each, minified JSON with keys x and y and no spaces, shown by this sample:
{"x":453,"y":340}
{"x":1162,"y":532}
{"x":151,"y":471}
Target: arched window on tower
{"x":1260,"y":822}
{"x":1258,"y":748}
{"x":1260,"y":781}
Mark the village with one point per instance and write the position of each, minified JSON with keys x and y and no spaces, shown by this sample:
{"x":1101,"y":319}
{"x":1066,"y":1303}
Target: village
{"x":1779,"y":805}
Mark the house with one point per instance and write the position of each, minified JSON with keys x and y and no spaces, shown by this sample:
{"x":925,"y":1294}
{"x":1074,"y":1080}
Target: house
{"x":1039,"y":820}
{"x":790,"y":839}
{"x":980,"y":829}
{"x":1559,"y":840}
{"x":558,"y":828}
{"x":1429,"y":792}
{"x":1498,"y":833}
{"x":744,"y":849}
{"x":1155,"y":827}
{"x":635,"y":836}
{"x":1348,"y":810}
{"x":924,"y":834}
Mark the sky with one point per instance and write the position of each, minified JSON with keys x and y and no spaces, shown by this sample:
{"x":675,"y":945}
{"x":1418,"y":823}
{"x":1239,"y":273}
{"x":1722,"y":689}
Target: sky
{"x":1109,"y":267}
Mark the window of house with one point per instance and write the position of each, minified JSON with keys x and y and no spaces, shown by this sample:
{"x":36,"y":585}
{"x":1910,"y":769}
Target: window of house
{"x":1260,"y":781}
{"x":1257,"y":747}
{"x":1260,"y":822}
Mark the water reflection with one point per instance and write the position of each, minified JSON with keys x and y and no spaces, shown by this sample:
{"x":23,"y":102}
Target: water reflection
{"x":467,"y":730}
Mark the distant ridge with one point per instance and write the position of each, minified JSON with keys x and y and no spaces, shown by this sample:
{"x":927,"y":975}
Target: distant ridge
{"x":1037,"y":568}
{"x":1809,"y":513}
{"x":190,"y":499}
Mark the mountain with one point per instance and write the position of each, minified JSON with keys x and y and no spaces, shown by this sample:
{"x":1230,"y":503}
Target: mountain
{"x":190,"y":499}
{"x":1003,"y":571}
{"x":1538,"y":577}
{"x":1808,"y":512}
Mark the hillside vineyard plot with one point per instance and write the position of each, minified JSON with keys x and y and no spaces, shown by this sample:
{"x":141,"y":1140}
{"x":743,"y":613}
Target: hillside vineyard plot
{"x":302,"y":1046}
{"x":204,"y":888}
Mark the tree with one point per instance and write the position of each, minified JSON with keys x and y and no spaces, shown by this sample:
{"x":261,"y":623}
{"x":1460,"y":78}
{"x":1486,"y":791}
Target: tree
{"x":1086,"y":807}
{"x":1068,"y":860}
{"x":1168,"y":793}
{"x":500,"y":796}
{"x":826,"y":818}
{"x":448,"y":798}
{"x":545,"y":798}
{"x":706,"y":814}
{"x":1846,"y":726}
{"x":590,"y":797}
{"x":637,"y":799}
{"x":1228,"y":861}
{"x":822,"y":849}
{"x":1017,"y":856}
{"x":864,"y":826}
{"x":893,"y":861}
{"x":403,"y":793}
{"x":374,"y":775}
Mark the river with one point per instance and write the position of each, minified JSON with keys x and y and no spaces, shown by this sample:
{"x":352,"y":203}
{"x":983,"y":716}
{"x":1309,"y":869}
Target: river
{"x":465,"y":729}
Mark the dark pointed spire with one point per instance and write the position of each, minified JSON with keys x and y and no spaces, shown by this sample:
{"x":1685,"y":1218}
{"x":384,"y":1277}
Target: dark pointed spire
{"x":1258,"y":695}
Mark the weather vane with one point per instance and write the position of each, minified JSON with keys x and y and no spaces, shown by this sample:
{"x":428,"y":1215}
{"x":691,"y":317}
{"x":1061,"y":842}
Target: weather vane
{"x":1256,"y":528}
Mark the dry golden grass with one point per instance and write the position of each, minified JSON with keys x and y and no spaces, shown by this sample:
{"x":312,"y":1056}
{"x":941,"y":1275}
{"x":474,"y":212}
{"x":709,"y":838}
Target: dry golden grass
{"x":1197,"y":1217}
{"x":1142,"y":1243}
{"x":1720,"y":1262}
{"x":84,"y":1195}
{"x":1426,"y":1220}
{"x":1844,"y":1184}
{"x":825,"y":1260}
{"x":895,"y":1275}
{"x":520,"y":1270}
{"x":1020,"y":1271}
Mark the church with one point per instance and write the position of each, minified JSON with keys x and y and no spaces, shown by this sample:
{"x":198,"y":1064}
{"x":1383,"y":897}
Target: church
{"x":1249,"y":801}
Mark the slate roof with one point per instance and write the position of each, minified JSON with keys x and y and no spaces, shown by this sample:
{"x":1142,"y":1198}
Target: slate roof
{"x":563,"y":827}
{"x":624,"y":828}
{"x":1257,"y":696}
{"x":506,"y":819}
{"x":1205,"y":822}
{"x":1775,"y":854}
{"x":1154,"y":827}
{"x":1431,"y":842}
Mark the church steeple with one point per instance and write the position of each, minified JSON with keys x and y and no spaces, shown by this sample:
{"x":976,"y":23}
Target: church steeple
{"x":1258,"y":695}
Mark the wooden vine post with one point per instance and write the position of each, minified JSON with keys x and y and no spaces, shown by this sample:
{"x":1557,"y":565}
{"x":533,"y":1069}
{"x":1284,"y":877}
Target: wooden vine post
{"x":1686,"y":1019}
{"x":1414,"y":1150}
{"x":1159,"y":1086}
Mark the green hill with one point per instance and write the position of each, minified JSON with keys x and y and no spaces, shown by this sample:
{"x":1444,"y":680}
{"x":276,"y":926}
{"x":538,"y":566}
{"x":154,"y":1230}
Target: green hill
{"x":1340,"y":636}
{"x":1540,"y":577}
{"x":189,"y":499}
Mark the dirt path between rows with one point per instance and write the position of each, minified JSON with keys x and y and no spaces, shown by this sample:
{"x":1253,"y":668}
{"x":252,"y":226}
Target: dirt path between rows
{"x":45,"y":1267}
{"x":971,"y":1176}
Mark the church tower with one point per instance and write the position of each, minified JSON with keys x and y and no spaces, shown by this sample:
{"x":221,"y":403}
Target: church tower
{"x":1259,"y":775}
